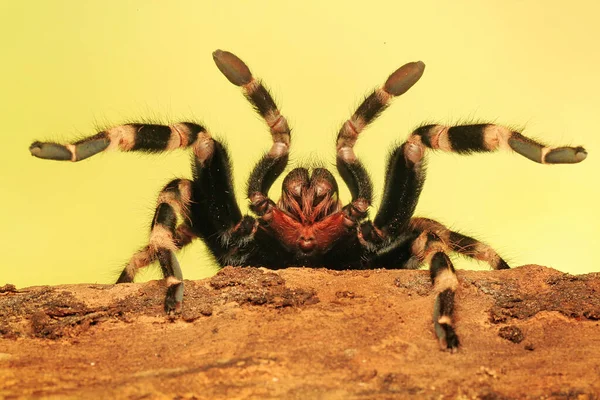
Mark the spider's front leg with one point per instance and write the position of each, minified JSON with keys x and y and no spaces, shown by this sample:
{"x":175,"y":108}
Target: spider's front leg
{"x":272,"y":164}
{"x":350,"y":168}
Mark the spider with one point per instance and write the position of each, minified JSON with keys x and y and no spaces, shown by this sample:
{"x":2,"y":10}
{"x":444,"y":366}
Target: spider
{"x":309,"y":226}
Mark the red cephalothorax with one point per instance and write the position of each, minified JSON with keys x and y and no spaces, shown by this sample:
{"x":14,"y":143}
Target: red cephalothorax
{"x":309,"y":225}
{"x":309,"y":238}
{"x":308,"y":217}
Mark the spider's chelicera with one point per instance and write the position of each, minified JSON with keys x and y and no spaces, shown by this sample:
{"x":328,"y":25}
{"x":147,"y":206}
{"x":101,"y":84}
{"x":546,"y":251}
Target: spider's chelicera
{"x":309,"y":225}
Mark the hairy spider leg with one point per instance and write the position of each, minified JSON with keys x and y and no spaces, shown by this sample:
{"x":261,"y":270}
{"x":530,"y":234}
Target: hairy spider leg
{"x":445,"y":283}
{"x":467,"y":139}
{"x":404,"y":178}
{"x":148,"y":138}
{"x":430,"y":249}
{"x":350,"y":168}
{"x":405,"y":171}
{"x":273,"y":163}
{"x":455,"y":241}
{"x":166,"y":238}
{"x":409,"y":250}
{"x":217,"y":218}
{"x":405,"y":175}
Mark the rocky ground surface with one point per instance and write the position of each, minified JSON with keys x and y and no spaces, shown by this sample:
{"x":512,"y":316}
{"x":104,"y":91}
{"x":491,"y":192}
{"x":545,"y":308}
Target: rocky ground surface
{"x":529,"y":332}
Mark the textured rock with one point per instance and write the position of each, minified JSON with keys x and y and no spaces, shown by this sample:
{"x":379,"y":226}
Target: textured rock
{"x":528,"y":332}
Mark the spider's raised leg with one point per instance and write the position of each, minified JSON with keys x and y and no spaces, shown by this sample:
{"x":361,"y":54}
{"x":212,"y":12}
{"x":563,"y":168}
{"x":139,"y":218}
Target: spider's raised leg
{"x":350,"y":168}
{"x":405,"y":175}
{"x":467,"y":139}
{"x":166,"y":238}
{"x":405,"y":172}
{"x":148,"y":138}
{"x":272,"y":164}
{"x":217,"y":218}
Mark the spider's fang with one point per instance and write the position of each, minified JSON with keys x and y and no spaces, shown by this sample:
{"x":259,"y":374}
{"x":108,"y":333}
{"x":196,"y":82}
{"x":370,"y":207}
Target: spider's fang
{"x":234,"y":69}
{"x":404,"y":78}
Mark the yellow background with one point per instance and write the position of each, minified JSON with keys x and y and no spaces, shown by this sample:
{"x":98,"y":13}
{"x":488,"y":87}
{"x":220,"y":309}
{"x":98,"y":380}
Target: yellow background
{"x":70,"y":67}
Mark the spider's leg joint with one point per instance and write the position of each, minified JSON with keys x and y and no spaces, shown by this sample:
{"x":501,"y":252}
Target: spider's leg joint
{"x":414,"y":152}
{"x":161,"y":237}
{"x":279,"y":149}
{"x":204,"y":147}
{"x":347,"y":154}
{"x":355,"y":211}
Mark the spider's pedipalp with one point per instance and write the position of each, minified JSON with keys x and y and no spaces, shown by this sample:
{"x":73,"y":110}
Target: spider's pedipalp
{"x":273,"y":163}
{"x":467,"y":139}
{"x":350,"y":168}
{"x":396,"y":84}
{"x":238,"y":73}
{"x":234,"y":69}
{"x":263,"y":175}
{"x":264,"y":104}
{"x":357,"y":179}
{"x":404,"y":78}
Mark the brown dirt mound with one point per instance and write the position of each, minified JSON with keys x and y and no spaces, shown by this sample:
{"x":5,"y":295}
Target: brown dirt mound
{"x":528,"y":332}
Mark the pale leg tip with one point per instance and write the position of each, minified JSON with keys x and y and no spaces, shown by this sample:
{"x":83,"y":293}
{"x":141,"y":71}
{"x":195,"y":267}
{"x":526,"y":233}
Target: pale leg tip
{"x":35,"y":149}
{"x":580,"y":154}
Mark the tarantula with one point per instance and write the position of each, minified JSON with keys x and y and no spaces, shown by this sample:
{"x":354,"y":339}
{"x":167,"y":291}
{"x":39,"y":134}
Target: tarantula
{"x":309,"y":225}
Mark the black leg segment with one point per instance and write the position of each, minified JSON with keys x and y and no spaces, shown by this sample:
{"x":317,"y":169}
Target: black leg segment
{"x":445,"y":284}
{"x":215,"y":203}
{"x":404,"y":178}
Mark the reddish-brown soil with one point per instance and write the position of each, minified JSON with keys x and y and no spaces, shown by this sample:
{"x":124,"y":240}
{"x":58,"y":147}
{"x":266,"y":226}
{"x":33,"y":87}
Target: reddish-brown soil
{"x":529,"y":332}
